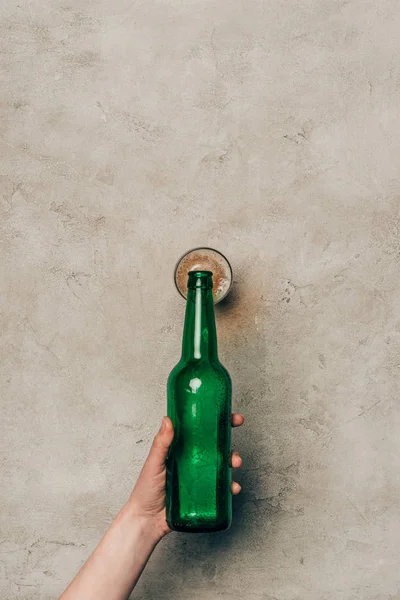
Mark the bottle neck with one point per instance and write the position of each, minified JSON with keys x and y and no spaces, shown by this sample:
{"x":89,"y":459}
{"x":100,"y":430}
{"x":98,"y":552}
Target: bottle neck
{"x":199,"y":334}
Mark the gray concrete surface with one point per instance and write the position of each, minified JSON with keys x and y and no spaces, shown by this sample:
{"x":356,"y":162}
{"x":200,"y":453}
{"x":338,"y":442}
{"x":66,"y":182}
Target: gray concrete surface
{"x":131,"y":132}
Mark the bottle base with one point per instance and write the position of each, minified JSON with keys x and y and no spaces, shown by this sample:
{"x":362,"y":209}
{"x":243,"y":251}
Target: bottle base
{"x":199,"y":527}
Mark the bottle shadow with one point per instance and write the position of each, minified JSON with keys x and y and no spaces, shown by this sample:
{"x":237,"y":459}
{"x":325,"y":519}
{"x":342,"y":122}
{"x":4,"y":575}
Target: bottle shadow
{"x":186,"y":561}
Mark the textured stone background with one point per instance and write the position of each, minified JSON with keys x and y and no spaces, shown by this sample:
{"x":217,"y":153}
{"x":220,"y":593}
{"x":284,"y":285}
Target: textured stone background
{"x":130,"y":132}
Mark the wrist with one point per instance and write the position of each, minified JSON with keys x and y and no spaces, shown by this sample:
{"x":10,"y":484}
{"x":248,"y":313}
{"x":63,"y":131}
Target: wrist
{"x":150,"y":528}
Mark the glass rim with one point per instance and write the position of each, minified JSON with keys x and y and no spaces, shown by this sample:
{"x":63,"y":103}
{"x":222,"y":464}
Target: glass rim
{"x":198,"y":248}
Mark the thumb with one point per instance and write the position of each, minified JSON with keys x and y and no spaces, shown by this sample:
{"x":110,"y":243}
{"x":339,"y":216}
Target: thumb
{"x":162,"y":441}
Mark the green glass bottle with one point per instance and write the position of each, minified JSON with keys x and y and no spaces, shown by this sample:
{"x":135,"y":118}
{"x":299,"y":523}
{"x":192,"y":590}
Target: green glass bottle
{"x":199,"y":404}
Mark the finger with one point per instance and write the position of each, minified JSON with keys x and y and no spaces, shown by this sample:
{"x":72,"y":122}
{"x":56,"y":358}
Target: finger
{"x":162,"y":441}
{"x":237,"y":420}
{"x":235,"y":488}
{"x":236,"y":460}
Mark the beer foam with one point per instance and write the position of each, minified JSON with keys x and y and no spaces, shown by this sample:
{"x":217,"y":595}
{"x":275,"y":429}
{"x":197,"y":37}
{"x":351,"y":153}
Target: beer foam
{"x":205,"y":259}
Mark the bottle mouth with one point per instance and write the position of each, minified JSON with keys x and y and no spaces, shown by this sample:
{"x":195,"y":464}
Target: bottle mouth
{"x":202,"y":279}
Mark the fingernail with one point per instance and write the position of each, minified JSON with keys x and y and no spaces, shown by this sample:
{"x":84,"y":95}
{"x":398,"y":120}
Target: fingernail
{"x":163,"y":425}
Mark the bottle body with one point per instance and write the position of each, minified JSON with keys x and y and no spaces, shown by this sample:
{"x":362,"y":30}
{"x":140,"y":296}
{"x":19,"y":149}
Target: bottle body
{"x":198,"y":495}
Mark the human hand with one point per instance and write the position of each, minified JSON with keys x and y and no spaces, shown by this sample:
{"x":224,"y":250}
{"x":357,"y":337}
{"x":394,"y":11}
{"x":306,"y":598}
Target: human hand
{"x":147,"y":500}
{"x":113,"y":569}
